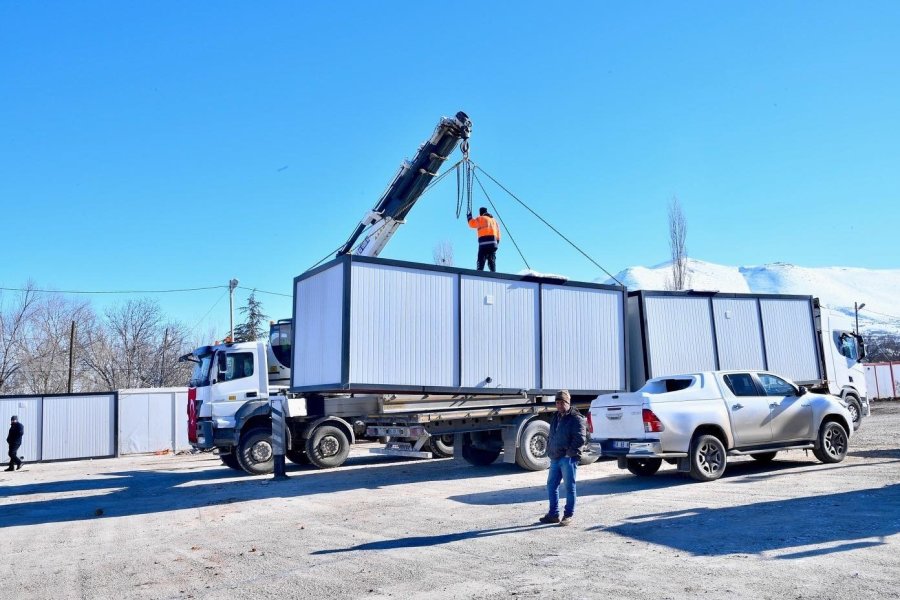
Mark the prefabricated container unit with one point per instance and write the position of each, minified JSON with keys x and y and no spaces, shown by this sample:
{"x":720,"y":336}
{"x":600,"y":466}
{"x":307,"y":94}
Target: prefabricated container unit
{"x":376,"y":325}
{"x":883,"y":380}
{"x":684,"y":332}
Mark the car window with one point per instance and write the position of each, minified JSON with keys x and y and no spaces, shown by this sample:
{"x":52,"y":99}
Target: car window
{"x":236,"y":365}
{"x":776,"y":386}
{"x":741,"y":384}
{"x":848,"y":346}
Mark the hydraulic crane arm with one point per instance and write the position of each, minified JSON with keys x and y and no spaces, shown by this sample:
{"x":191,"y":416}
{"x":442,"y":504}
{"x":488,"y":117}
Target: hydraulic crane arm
{"x":407,"y":186}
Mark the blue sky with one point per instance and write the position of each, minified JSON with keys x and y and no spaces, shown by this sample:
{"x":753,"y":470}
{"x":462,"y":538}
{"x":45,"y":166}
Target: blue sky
{"x":166,"y":145}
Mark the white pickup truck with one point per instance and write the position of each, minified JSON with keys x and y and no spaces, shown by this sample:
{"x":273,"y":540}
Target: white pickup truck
{"x":697,"y":420}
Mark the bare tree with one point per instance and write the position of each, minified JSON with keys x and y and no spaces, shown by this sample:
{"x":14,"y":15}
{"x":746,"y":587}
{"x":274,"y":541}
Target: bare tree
{"x":46,"y":347}
{"x":13,"y":327}
{"x":443,"y":253}
{"x":680,"y":277}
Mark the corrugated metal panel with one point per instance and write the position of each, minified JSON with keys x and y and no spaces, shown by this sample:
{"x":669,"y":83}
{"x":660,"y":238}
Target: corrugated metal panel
{"x":78,"y":426}
{"x":895,"y":371}
{"x":28,"y":410}
{"x":635,"y":345}
{"x":791,"y":348}
{"x":679,"y":335}
{"x":582,"y":338}
{"x":738,"y":333}
{"x":500,"y":338}
{"x":146,"y":421}
{"x":403,"y":326}
{"x":319,"y":315}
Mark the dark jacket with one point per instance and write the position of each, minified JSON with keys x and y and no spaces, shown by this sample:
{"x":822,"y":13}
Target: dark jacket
{"x":16,"y":431}
{"x":567,"y":435}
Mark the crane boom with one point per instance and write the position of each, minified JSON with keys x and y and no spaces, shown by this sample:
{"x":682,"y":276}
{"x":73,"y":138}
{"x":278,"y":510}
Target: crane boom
{"x":407,"y":186}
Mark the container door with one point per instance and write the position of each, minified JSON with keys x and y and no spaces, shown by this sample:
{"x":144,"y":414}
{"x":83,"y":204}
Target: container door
{"x":791,"y":414}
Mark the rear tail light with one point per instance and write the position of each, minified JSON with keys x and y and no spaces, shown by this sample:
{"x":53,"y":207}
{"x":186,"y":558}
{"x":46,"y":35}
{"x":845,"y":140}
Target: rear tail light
{"x":590,"y":423}
{"x":652,"y":424}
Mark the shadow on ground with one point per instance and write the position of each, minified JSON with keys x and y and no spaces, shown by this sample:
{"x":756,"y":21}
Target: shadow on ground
{"x":151,"y":491}
{"x":424,"y":541}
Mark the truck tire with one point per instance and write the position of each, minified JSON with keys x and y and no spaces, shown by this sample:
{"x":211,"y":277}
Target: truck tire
{"x":832,"y":446}
{"x":643,"y":467}
{"x":531,"y":454}
{"x":230,"y":460}
{"x":254,"y":452}
{"x":708,"y":458}
{"x":327,"y":447}
{"x":298,"y":457}
{"x":441,"y":446}
{"x":855,"y":409}
{"x":764,"y":457}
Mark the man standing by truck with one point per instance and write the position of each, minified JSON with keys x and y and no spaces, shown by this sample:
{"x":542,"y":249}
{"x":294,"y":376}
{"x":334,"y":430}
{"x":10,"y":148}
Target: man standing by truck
{"x":488,"y":238}
{"x":14,"y":439}
{"x":567,"y":437}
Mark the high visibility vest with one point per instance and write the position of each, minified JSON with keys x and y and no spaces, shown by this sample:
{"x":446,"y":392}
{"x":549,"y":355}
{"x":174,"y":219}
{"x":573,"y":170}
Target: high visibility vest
{"x":488,"y":231}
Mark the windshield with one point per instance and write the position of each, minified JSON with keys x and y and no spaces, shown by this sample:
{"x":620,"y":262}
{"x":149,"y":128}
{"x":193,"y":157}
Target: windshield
{"x":280,"y":340}
{"x":200,"y":375}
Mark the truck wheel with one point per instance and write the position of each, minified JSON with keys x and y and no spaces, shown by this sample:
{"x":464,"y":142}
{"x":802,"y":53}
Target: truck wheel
{"x":644,"y":467}
{"x":531,"y":454}
{"x":764,"y":457}
{"x":708,"y":458}
{"x":298,"y":457}
{"x":327,"y":447}
{"x":441,"y":446}
{"x":230,"y":460}
{"x":832,"y":446}
{"x":855,"y":409}
{"x":254,"y":452}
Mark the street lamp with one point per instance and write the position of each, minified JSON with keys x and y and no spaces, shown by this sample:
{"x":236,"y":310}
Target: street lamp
{"x":231,"y":285}
{"x":856,"y":309}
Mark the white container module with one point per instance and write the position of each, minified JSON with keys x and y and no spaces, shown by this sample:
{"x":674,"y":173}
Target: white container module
{"x":370,"y":325}
{"x":684,"y":332}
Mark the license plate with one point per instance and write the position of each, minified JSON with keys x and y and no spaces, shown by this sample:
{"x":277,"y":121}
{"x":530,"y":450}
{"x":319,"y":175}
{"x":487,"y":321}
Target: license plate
{"x":621,"y":444}
{"x":641,"y":447}
{"x":394,"y":431}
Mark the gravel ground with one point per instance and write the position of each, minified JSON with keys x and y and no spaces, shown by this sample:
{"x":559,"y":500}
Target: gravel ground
{"x":188,"y":527}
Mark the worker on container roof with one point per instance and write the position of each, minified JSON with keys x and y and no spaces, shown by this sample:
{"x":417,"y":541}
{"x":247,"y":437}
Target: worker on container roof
{"x":488,"y":238}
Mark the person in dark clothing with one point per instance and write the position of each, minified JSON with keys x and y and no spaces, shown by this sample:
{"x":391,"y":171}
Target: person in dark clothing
{"x":567,"y":436}
{"x":14,"y":439}
{"x":488,"y":238}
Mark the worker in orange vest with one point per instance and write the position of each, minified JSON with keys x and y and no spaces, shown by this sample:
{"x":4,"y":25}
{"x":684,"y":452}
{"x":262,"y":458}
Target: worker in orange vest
{"x":488,"y":238}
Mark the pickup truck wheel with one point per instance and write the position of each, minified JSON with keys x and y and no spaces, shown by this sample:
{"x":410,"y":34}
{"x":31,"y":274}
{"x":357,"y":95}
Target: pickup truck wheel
{"x":230,"y":461}
{"x":708,"y":458}
{"x":298,"y":457}
{"x":855,"y":410}
{"x":531,"y":454}
{"x":764,"y":457}
{"x":327,"y":447}
{"x":644,"y":467}
{"x":254,"y":452}
{"x":441,"y":446}
{"x":832,"y":446}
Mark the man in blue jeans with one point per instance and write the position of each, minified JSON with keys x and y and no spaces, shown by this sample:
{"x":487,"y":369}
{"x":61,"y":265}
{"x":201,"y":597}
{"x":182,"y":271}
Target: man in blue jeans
{"x":567,"y":436}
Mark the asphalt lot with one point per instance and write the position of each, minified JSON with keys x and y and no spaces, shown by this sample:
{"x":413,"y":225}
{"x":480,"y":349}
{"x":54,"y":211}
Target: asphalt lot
{"x":188,"y":527}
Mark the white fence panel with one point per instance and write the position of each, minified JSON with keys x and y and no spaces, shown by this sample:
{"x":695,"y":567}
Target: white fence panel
{"x":78,"y":426}
{"x":28,"y":410}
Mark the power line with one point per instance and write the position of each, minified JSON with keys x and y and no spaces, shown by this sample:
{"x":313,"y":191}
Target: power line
{"x":240,"y":287}
{"x":213,"y":287}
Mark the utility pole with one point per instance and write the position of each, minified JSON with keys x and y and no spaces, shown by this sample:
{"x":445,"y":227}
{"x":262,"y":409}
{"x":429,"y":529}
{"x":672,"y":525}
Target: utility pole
{"x":856,"y":309}
{"x":231,"y":285}
{"x":71,"y":355}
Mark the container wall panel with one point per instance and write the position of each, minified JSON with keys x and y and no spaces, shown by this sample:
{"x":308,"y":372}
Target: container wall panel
{"x":885,"y":378}
{"x":318,"y":316}
{"x":790,"y":339}
{"x":181,"y":425}
{"x":637,"y":373}
{"x":500,"y":333}
{"x":582,"y":333}
{"x":895,"y":376}
{"x":78,"y":426}
{"x":871,"y":385}
{"x":28,"y":410}
{"x":679,"y":335}
{"x":404,"y":328}
{"x":738,"y":333}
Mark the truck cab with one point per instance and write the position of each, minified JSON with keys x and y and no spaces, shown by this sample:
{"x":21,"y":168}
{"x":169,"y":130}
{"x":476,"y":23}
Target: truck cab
{"x":842,"y":353}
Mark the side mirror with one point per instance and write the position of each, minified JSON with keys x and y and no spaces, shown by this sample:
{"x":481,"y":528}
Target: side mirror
{"x":801,"y":390}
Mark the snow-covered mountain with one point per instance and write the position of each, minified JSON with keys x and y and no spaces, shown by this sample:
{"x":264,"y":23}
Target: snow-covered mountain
{"x":836,"y":287}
